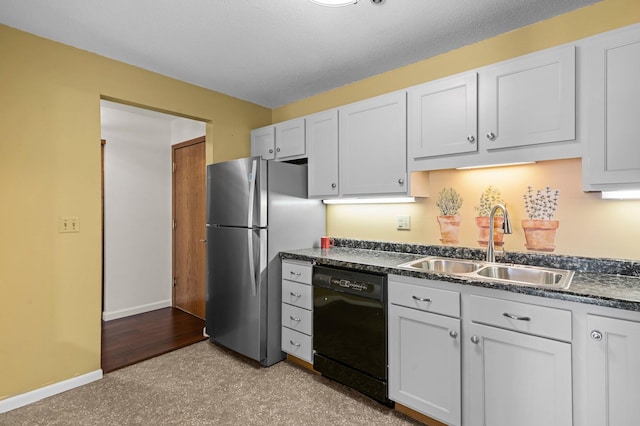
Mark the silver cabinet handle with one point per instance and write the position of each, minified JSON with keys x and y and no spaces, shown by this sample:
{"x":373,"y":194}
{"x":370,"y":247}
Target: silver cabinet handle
{"x":295,"y":294}
{"x":471,"y":138}
{"x":294,"y":318}
{"x":401,"y":181}
{"x":270,"y":151}
{"x":297,"y":274}
{"x":277,"y":149}
{"x":475,"y":340}
{"x":516,"y":317}
{"x":203,"y":241}
{"x":491,"y":136}
{"x":453,"y":334}
{"x":333,"y":185}
{"x":294,"y":343}
{"x":422,"y":299}
{"x":596,"y":335}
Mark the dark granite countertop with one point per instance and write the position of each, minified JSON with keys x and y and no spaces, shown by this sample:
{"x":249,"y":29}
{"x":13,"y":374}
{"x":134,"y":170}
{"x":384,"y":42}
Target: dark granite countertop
{"x":603,"y":282}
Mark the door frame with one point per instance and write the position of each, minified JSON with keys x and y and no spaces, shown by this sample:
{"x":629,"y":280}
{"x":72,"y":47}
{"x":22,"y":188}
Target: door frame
{"x":195,"y":141}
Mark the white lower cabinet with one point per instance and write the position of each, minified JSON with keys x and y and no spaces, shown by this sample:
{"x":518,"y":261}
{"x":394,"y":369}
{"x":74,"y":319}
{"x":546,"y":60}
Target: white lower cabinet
{"x":424,"y":349}
{"x":613,"y":372}
{"x":515,"y":374}
{"x":297,"y":309}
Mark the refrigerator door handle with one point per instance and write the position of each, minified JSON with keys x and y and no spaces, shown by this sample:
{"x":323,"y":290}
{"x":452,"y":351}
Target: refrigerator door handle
{"x":252,"y":193}
{"x":252,"y":266}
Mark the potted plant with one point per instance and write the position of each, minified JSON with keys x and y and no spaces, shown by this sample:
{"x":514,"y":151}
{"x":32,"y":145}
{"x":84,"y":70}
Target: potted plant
{"x":489,"y":198}
{"x":540,"y":228}
{"x":449,"y":203}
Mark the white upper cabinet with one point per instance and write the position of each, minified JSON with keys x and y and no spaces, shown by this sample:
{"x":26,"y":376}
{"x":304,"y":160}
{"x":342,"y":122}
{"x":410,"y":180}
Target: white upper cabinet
{"x":263,"y":142}
{"x":612,"y":67}
{"x":322,"y":146}
{"x":282,"y":141}
{"x":373,"y":146}
{"x":443,"y":116}
{"x":525,"y":110}
{"x":529,"y":100}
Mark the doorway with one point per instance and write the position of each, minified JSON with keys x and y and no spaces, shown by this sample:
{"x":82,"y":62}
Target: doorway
{"x":189,"y":213}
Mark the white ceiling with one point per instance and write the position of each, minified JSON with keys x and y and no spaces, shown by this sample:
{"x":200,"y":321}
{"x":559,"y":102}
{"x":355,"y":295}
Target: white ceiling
{"x":273,"y":52}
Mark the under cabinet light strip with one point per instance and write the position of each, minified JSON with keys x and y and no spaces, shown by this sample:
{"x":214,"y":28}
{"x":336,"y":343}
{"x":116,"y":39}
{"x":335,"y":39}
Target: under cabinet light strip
{"x":371,"y":200}
{"x":495,"y":165}
{"x":334,"y":3}
{"x":631,"y":194}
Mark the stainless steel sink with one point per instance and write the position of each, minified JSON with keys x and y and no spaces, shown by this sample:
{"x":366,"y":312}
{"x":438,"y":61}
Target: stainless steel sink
{"x":443,"y":265}
{"x":512,"y":274}
{"x":527,"y":275}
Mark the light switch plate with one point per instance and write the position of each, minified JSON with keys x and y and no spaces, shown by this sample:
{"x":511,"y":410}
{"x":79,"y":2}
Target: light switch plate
{"x":404,"y":222}
{"x":68,"y":224}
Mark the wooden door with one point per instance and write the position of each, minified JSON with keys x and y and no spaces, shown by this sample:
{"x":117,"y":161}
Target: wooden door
{"x":189,"y":213}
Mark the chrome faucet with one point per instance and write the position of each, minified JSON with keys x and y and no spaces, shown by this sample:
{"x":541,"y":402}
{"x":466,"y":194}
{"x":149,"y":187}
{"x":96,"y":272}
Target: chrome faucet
{"x":506,"y":227}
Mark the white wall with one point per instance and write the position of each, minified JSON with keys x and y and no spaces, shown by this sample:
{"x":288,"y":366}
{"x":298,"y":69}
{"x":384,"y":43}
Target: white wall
{"x":184,"y":129}
{"x":137,"y":169}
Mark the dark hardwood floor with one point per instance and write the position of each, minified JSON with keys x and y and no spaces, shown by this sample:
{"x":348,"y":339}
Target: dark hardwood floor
{"x":129,"y":340}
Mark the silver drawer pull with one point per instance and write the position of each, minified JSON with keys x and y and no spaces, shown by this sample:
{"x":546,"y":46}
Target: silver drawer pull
{"x":294,"y":343}
{"x":422,"y":299}
{"x":297,"y":274}
{"x":295,"y":294}
{"x":294,"y":318}
{"x":515,"y":317}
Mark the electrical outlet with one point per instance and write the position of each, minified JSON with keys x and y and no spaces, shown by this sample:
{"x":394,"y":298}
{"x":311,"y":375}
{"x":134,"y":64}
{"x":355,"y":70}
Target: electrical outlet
{"x":68,"y":224}
{"x":404,"y":222}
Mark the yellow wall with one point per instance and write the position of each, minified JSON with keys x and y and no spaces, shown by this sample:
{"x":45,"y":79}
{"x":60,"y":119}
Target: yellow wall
{"x":50,"y":283}
{"x":589,"y":226}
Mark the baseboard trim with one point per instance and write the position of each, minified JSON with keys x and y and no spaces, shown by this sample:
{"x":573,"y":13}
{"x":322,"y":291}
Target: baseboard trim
{"x":141,"y":309}
{"x":36,"y":395}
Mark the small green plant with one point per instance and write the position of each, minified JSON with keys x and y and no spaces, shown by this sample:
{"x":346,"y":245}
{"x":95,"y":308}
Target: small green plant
{"x":449,"y":202}
{"x":541,"y":205}
{"x":489,"y":198}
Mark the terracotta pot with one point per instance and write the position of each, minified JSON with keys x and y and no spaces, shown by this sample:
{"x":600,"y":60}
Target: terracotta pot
{"x":540,"y":234}
{"x":482,"y":222}
{"x":449,"y":229}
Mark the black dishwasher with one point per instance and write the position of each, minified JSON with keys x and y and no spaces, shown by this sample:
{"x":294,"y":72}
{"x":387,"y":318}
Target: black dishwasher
{"x":350,"y":329}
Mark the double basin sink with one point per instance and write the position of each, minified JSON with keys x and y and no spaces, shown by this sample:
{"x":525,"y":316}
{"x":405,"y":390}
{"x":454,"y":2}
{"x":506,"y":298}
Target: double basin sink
{"x":505,"y":273}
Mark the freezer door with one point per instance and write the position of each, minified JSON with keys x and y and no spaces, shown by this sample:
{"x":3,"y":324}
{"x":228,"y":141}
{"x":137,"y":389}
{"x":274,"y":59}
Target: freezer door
{"x":236,"y":299}
{"x":236,"y":193}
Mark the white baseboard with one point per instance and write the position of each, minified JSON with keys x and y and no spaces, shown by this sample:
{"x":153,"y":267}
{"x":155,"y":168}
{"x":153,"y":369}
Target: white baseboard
{"x":36,"y":395}
{"x":108,"y":316}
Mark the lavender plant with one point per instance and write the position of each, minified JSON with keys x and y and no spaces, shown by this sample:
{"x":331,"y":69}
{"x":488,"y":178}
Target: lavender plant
{"x":541,"y":205}
{"x":489,"y":198}
{"x":449,"y":202}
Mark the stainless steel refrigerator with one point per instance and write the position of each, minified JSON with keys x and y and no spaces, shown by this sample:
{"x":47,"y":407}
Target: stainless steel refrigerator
{"x":255,"y":209}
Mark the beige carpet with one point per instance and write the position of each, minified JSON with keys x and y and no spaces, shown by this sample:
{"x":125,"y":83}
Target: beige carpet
{"x":203,"y":384}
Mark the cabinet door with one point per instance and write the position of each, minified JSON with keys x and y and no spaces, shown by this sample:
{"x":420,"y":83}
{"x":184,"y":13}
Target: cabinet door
{"x":516,"y":379}
{"x":373,"y":146}
{"x":322,"y":144}
{"x":424,"y":363}
{"x":262,"y":142}
{"x":443,"y":117}
{"x":613,"y":368}
{"x":529,"y":100}
{"x":613,"y":91}
{"x":290,"y":139}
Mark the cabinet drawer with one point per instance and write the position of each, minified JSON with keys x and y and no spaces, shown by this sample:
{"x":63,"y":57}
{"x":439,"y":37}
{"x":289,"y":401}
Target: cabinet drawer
{"x":425,"y":298}
{"x":297,"y":344}
{"x":298,"y":272}
{"x":533,"y":319}
{"x":297,"y":294}
{"x":297,"y":318}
